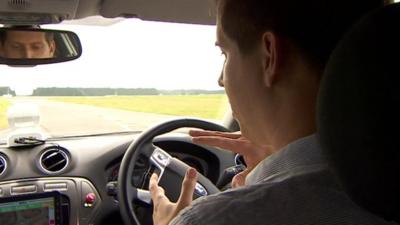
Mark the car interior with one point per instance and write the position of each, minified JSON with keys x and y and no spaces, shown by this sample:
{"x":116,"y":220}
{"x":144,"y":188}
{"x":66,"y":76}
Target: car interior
{"x":357,"y":113}
{"x":103,"y":178}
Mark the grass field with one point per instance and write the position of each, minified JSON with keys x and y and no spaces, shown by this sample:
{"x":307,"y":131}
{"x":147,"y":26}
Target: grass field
{"x":4,"y":103}
{"x":202,"y":106}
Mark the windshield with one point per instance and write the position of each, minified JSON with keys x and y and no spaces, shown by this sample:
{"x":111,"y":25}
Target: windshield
{"x":131,"y":75}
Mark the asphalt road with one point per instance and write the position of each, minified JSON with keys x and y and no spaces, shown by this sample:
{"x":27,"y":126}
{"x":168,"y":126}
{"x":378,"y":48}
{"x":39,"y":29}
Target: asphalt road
{"x":60,"y":119}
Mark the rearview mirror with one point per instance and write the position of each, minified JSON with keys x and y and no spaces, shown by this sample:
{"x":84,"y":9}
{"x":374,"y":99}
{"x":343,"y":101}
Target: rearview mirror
{"x":33,"y":46}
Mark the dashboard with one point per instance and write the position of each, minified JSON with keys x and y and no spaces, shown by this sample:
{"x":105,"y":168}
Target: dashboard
{"x":84,"y":170}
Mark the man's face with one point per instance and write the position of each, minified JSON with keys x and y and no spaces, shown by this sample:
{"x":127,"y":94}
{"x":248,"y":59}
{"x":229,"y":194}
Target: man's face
{"x":242,"y":79}
{"x":27,"y":45}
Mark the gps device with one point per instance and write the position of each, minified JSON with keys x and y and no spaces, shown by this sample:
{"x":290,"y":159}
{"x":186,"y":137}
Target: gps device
{"x":32,"y":209}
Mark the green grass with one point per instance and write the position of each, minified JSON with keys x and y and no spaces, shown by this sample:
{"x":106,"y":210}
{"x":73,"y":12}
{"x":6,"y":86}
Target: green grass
{"x":4,"y":103}
{"x":202,"y":106}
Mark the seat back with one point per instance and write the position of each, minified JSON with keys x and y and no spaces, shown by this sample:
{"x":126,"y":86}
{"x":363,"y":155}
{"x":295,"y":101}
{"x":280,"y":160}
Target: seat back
{"x":359,"y":112}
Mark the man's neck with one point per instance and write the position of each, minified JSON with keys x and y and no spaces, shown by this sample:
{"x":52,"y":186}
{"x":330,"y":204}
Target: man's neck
{"x":296,"y":113}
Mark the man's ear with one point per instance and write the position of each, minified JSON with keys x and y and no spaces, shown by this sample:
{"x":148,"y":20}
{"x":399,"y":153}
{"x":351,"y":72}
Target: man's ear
{"x":270,"y":49}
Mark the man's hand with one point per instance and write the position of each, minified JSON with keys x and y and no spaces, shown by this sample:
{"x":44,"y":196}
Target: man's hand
{"x":163,"y":209}
{"x":236,"y":143}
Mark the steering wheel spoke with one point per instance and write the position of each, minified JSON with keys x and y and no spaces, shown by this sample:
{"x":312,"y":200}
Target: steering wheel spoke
{"x":143,"y":196}
{"x":160,"y":159}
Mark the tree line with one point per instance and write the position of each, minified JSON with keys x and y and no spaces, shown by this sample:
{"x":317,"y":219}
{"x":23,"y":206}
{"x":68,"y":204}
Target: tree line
{"x":6,"y":91}
{"x":56,"y":91}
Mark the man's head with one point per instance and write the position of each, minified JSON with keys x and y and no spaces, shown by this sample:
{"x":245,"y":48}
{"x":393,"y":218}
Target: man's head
{"x":27,"y":44}
{"x":275,"y":54}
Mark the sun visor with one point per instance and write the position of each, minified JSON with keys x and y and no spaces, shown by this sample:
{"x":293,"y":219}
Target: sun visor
{"x":25,"y":12}
{"x":178,"y":11}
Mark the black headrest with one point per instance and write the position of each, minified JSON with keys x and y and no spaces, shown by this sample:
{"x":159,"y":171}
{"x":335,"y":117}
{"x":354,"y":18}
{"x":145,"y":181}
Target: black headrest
{"x":359,"y":112}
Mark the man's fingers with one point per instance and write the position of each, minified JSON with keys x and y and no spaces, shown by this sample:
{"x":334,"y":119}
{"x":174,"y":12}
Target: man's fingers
{"x":235,"y":145}
{"x":199,"y":133}
{"x":188,"y":186}
{"x":157,"y":192}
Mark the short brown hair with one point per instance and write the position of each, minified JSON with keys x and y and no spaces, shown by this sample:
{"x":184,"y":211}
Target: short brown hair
{"x":48,"y":35}
{"x":315,"y":26}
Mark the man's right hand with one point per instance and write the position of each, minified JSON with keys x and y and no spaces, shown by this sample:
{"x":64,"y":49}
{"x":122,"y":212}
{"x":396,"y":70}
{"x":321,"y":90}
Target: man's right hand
{"x":236,"y":143}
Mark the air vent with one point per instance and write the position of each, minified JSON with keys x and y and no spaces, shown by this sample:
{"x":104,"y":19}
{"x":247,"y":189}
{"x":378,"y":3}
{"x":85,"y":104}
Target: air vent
{"x":3,"y":164}
{"x":19,"y":4}
{"x":54,"y":160}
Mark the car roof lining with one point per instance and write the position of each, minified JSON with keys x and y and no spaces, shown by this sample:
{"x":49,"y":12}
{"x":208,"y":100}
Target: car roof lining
{"x":179,"y":11}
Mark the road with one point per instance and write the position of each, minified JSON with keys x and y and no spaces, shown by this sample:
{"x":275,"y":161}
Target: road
{"x":60,"y":119}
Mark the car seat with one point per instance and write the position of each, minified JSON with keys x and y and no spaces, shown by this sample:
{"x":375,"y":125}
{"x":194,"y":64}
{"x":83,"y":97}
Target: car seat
{"x":359,"y":112}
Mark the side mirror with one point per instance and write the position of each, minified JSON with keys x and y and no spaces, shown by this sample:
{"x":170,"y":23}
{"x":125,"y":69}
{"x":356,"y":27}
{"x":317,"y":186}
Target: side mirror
{"x":33,"y":46}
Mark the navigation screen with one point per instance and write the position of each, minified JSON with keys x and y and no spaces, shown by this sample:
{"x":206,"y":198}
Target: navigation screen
{"x":39,"y":211}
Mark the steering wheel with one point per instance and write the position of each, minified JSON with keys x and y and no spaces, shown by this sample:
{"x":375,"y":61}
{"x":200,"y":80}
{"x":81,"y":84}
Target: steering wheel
{"x":171,"y":170}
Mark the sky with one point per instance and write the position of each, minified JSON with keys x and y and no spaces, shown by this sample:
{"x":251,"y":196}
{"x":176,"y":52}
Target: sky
{"x":129,"y":54}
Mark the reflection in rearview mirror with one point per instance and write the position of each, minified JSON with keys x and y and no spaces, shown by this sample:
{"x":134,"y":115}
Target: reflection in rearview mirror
{"x":19,"y":46}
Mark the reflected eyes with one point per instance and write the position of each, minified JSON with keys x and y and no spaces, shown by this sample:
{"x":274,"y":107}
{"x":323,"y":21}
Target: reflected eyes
{"x":35,"y":47}
{"x":16,"y":46}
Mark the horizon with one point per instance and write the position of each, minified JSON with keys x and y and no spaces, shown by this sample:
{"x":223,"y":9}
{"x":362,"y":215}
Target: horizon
{"x":11,"y":92}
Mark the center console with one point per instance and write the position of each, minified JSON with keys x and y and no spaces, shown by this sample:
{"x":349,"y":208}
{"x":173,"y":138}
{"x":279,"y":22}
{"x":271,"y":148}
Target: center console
{"x":50,"y":201}
{"x":32,"y":209}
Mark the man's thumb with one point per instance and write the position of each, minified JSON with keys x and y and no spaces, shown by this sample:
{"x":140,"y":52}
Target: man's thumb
{"x":238,"y":180}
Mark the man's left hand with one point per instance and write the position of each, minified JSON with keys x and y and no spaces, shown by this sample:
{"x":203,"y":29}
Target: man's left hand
{"x":163,"y":209}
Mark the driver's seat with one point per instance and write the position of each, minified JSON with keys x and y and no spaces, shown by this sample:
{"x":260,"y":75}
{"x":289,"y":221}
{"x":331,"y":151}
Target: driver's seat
{"x":359,"y":113}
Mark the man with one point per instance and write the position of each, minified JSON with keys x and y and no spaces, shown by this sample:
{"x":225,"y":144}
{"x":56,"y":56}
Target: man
{"x":275,"y":54}
{"x":27,"y":44}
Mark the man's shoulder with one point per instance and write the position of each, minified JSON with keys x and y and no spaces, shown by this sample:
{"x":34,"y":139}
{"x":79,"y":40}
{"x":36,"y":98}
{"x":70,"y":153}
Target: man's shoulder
{"x":297,"y":200}
{"x":258,"y":201}
{"x":301,"y":156}
{"x":289,"y":187}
